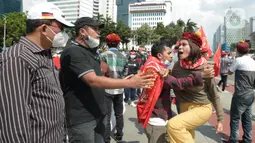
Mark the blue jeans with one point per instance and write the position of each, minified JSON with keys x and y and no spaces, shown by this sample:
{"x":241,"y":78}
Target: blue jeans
{"x":129,"y":94}
{"x":89,"y":132}
{"x":241,"y":108}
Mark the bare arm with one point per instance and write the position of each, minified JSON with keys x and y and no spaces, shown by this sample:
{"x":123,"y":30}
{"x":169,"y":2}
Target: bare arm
{"x":137,"y":81}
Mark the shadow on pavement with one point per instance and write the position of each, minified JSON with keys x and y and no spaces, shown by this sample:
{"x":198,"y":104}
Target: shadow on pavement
{"x":130,"y":142}
{"x":138,"y":126}
{"x":209,"y":131}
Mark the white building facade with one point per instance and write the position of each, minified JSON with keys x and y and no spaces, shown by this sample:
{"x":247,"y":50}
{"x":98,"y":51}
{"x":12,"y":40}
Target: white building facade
{"x":74,"y":9}
{"x":150,"y":13}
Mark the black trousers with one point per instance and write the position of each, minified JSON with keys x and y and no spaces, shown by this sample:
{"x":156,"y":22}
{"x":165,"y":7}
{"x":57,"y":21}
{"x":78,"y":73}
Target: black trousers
{"x":117,"y":102}
{"x":223,"y":80}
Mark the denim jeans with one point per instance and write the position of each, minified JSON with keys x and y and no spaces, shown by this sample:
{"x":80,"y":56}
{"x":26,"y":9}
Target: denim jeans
{"x":117,"y":102}
{"x":89,"y":132}
{"x":129,"y":94}
{"x":241,"y":108}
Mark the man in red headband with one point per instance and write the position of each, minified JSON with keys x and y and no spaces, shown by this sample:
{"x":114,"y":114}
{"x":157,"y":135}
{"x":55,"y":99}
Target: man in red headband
{"x":116,"y":63}
{"x":242,"y":100}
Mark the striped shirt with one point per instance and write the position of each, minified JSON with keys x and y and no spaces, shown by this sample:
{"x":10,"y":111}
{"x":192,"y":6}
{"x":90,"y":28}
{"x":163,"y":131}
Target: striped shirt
{"x":31,"y":100}
{"x":116,"y":62}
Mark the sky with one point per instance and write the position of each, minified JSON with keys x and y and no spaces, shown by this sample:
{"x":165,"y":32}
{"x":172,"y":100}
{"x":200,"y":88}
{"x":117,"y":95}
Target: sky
{"x":210,"y":13}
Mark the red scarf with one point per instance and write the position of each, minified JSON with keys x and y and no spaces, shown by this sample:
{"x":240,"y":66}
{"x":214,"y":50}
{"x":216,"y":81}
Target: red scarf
{"x":150,"y":96}
{"x":188,"y":64}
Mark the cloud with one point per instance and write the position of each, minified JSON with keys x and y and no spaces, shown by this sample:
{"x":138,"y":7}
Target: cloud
{"x":209,"y":13}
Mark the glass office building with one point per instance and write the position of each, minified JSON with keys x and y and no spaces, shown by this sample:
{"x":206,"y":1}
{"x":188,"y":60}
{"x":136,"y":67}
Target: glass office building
{"x":7,"y":6}
{"x":122,"y":9}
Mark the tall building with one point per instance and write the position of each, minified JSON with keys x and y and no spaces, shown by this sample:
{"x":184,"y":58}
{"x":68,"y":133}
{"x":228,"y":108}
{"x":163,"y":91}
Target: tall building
{"x":219,"y":37}
{"x":122,"y":9}
{"x":236,"y":28}
{"x":95,"y":8}
{"x":150,"y":13}
{"x":74,"y":9}
{"x":7,"y":6}
{"x":108,"y":8}
{"x":27,"y":4}
{"x":252,"y":24}
{"x":111,"y":9}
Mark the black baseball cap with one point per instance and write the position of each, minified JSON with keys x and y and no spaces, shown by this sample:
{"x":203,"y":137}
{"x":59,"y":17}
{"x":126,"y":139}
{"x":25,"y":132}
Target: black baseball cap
{"x":81,"y":22}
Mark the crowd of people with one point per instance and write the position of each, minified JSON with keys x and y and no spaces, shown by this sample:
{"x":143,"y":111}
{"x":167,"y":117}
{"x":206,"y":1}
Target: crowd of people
{"x":71,"y":99}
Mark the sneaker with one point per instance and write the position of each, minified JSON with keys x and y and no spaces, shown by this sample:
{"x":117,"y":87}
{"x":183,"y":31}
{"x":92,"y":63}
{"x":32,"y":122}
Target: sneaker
{"x":117,"y":138}
{"x":132,"y":104}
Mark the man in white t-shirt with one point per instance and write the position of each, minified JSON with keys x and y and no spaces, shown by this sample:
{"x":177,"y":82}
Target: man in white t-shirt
{"x":241,"y":105}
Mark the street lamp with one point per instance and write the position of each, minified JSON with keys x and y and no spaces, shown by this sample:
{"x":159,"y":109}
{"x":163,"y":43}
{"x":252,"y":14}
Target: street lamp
{"x":4,"y":31}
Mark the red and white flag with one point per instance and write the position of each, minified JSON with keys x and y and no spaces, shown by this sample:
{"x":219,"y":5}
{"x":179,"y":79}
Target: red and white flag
{"x":205,"y":42}
{"x":216,"y":60}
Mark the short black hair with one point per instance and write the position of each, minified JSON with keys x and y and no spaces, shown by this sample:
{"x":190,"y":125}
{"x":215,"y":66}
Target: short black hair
{"x":112,"y":45}
{"x":32,"y":24}
{"x":158,"y":47}
{"x":167,"y":41}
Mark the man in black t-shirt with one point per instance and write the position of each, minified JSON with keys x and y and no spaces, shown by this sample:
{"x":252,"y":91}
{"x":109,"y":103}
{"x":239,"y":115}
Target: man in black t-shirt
{"x":83,"y":84}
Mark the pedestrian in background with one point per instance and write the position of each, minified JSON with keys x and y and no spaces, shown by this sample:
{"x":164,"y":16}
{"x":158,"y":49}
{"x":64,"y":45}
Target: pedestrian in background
{"x":241,"y":105}
{"x":132,"y":68}
{"x":116,"y":62}
{"x":224,"y":65}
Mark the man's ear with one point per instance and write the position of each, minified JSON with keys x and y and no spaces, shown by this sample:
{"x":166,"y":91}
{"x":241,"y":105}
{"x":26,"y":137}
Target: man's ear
{"x":159,"y":55}
{"x":43,"y":29}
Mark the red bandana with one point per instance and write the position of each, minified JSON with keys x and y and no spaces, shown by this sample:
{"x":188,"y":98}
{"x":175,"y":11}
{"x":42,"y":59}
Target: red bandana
{"x":188,"y":64}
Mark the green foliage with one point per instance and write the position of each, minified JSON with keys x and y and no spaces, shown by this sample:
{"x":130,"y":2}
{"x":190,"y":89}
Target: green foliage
{"x":190,"y":26}
{"x":15,"y":27}
{"x":232,"y":47}
{"x":123,"y":31}
{"x":143,"y":35}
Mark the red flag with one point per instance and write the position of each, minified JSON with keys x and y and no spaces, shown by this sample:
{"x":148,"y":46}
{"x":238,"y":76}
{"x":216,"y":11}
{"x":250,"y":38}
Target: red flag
{"x":216,"y":60}
{"x":205,"y":45}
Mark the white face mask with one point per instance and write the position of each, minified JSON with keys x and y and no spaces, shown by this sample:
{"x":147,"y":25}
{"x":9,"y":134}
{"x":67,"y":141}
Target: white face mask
{"x":132,"y":56}
{"x":59,"y":39}
{"x":166,"y":63}
{"x":92,"y":42}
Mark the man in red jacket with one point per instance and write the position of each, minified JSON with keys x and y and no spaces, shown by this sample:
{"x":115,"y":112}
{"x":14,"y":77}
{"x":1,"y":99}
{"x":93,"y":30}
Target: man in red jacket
{"x":154,"y":106}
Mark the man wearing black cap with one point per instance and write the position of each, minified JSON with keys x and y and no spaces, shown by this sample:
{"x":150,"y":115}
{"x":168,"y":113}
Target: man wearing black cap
{"x":242,"y":100}
{"x":83,"y":84}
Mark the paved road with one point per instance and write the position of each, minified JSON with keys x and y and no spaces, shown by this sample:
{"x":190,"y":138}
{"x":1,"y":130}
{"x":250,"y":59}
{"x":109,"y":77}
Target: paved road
{"x":134,"y":133}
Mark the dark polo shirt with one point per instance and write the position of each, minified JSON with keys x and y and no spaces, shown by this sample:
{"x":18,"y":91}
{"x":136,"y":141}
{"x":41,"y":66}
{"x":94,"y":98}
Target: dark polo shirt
{"x":83,"y":103}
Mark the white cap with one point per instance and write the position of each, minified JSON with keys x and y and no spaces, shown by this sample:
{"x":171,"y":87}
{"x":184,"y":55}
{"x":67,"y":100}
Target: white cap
{"x":48,"y":10}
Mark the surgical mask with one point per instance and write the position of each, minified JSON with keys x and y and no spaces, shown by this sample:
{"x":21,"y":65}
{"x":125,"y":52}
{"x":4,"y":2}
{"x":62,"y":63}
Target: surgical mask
{"x":167,"y":63}
{"x":92,"y":42}
{"x":132,"y":56}
{"x":59,"y":40}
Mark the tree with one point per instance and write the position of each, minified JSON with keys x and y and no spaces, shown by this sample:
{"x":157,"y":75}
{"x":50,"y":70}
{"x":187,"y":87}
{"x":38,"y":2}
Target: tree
{"x":232,"y":47}
{"x":190,"y":26}
{"x":143,"y":34}
{"x":109,"y":27}
{"x":124,"y":32}
{"x":99,"y":18}
{"x":15,"y":28}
